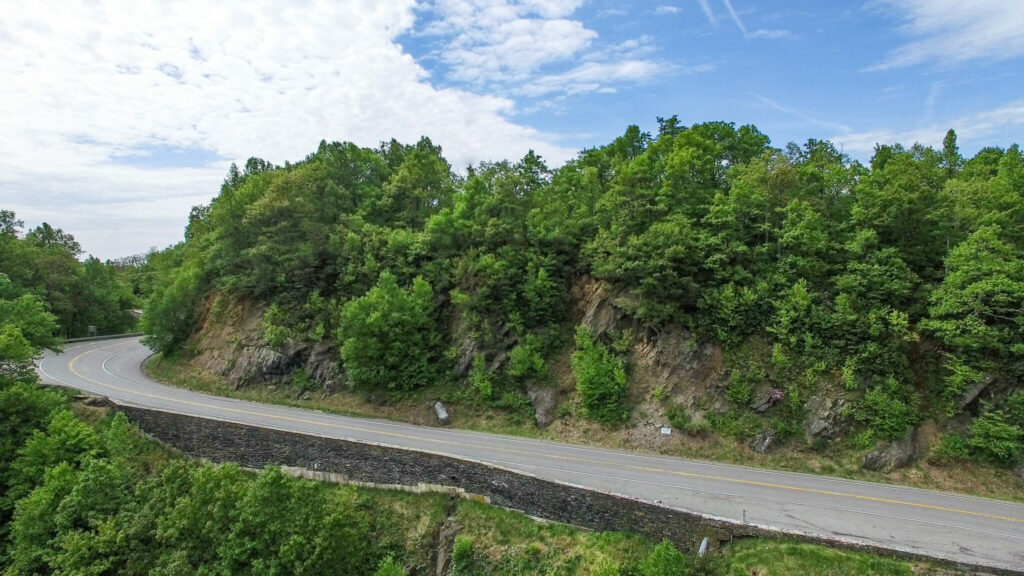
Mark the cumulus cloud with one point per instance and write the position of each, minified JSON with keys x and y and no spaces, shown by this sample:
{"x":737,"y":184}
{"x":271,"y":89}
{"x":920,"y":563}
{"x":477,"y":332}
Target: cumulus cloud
{"x":506,"y":40}
{"x":87,"y":85}
{"x":531,"y":47}
{"x":972,"y":127}
{"x":951,"y":31}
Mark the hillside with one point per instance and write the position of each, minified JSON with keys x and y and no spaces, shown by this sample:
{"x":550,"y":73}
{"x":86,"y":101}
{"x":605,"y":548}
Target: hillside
{"x":789,"y":298}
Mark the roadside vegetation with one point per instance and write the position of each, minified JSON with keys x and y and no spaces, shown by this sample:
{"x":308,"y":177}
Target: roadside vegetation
{"x":82,"y":491}
{"x":855,"y":306}
{"x":40,"y":268}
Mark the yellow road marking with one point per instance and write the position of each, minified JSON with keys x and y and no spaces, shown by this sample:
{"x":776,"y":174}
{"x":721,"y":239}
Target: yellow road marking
{"x":71,"y":366}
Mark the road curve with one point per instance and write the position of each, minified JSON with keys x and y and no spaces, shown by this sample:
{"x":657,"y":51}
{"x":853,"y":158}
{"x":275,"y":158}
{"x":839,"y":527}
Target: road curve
{"x":937,"y":524}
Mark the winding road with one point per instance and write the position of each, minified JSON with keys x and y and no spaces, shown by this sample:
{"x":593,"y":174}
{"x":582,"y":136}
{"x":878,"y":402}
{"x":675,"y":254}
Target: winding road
{"x":937,"y":524}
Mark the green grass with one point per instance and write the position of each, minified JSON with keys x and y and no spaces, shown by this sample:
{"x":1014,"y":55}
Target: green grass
{"x":501,"y":542}
{"x":778,"y":558}
{"x":497,"y":542}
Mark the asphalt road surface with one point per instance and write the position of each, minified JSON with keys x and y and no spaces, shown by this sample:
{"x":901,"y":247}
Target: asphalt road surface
{"x":937,"y":524}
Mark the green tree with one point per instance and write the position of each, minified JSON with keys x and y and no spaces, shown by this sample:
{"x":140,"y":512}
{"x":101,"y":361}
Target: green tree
{"x":977,"y":309}
{"x":388,"y":337}
{"x":67,"y":440}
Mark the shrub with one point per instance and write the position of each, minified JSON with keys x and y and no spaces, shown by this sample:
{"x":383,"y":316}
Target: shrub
{"x":526,"y":361}
{"x":479,"y":379}
{"x":740,"y":388}
{"x":660,"y":394}
{"x":1015,"y":408}
{"x":600,"y":379}
{"x":388,"y":338}
{"x":951,"y":448}
{"x":665,"y":560}
{"x":996,"y":440}
{"x":886,"y":410}
{"x":390,"y":567}
{"x":463,"y":555}
{"x":678,"y":417}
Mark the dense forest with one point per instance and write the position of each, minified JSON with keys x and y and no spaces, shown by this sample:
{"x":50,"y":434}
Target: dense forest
{"x":40,"y":268}
{"x":902,"y":281}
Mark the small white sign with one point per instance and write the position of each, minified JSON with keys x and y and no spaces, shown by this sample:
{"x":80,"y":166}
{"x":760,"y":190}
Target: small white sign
{"x":666,"y":430}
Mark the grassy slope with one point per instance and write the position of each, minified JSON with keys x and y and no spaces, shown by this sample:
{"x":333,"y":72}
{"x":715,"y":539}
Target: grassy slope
{"x":841,"y":460}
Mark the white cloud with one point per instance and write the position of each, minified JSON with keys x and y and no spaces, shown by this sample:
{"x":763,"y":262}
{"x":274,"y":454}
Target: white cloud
{"x":972,"y":127}
{"x":593,"y":77}
{"x":84,"y":83}
{"x":953,"y":31}
{"x":531,"y":48}
{"x":770,"y":34}
{"x":507,"y":40}
{"x":666,"y":9}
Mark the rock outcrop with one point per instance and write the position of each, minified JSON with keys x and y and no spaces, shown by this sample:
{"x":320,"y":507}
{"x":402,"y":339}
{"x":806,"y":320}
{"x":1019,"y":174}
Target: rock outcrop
{"x":254,"y":364}
{"x":825,"y":417}
{"x":765,"y":441}
{"x":545,"y":403}
{"x":896,"y":455}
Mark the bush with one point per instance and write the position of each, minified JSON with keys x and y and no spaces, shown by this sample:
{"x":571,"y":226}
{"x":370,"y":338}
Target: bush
{"x":463,"y":556}
{"x":1015,"y":408}
{"x":665,"y":560}
{"x":390,"y":567}
{"x":996,"y":440}
{"x":388,"y":338}
{"x":600,"y":379}
{"x":951,"y":448}
{"x":678,"y":417}
{"x":741,"y":386}
{"x":526,"y":361}
{"x":886,"y":411}
{"x":480,"y":379}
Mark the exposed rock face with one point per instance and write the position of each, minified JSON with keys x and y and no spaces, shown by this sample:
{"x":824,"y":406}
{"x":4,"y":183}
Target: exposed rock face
{"x":896,"y":455}
{"x":322,"y":366}
{"x":601,"y":313}
{"x":764,"y":442}
{"x":824,"y":417}
{"x":257,"y":363}
{"x":765,"y":398}
{"x":468,"y":348}
{"x":545,"y":403}
{"x":693,"y":371}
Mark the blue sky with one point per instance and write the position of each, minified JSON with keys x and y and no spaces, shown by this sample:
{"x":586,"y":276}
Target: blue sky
{"x":854,"y":72}
{"x":119,"y":117}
